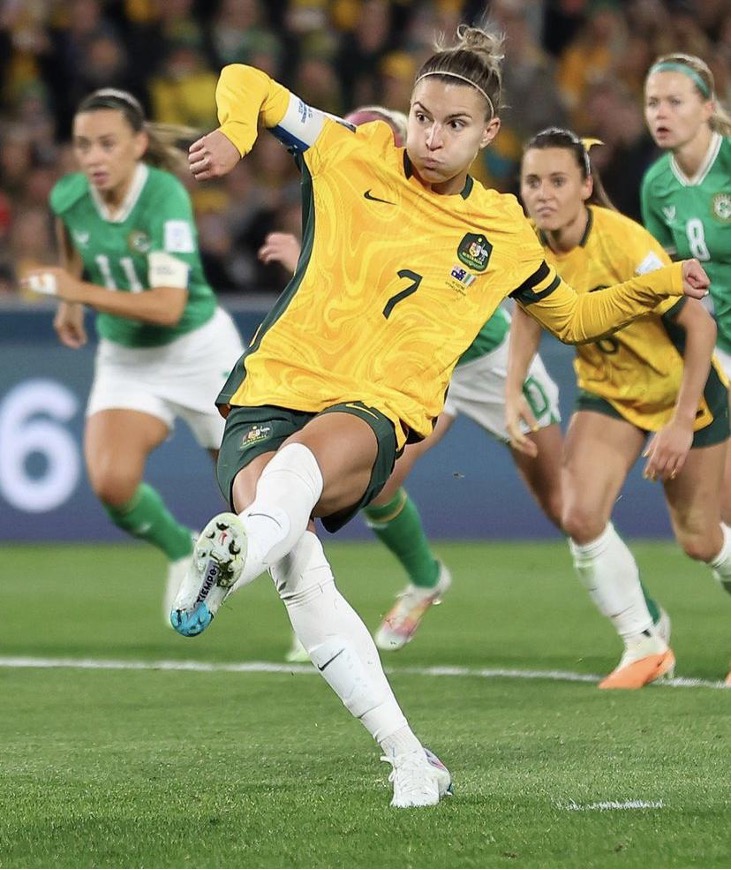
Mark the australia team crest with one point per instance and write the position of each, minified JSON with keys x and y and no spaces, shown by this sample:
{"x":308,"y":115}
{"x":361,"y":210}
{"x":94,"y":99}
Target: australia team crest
{"x":474,"y":251}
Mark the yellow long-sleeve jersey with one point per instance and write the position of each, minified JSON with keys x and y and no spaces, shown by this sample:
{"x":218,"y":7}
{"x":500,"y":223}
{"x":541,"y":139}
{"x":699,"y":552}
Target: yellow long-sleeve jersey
{"x":394,"y":280}
{"x":639,"y":368}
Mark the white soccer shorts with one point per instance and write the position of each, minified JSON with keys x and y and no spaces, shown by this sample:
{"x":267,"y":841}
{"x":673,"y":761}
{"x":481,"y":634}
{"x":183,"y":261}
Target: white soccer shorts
{"x":478,"y":390}
{"x":180,"y":379}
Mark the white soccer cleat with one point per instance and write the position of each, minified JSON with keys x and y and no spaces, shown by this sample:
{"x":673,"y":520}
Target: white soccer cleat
{"x":419,"y":778}
{"x":177,"y":571}
{"x":218,"y":560}
{"x":402,"y":621}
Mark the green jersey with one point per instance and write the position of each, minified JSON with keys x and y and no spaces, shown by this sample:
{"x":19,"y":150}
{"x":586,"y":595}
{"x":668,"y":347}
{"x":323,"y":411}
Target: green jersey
{"x":155,"y":218}
{"x":490,"y":336}
{"x":690,"y":217}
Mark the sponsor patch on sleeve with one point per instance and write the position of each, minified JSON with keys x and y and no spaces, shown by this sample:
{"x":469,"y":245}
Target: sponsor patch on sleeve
{"x":178,"y":237}
{"x":649,"y":263}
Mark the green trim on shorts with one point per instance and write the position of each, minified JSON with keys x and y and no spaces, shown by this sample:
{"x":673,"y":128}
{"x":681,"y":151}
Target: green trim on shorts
{"x":252,"y":431}
{"x":715,"y":394}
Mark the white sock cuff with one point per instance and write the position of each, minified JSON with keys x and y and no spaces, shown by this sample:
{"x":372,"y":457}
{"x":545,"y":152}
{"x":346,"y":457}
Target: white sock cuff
{"x":593,"y":548}
{"x":723,"y":556}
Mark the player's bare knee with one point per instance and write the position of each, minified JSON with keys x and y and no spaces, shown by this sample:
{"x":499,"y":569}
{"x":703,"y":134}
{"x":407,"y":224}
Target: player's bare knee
{"x":702,"y":546}
{"x":582,"y":525}
{"x":112,"y":488}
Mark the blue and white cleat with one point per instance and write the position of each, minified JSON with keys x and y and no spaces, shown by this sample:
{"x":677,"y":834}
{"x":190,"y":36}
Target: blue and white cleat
{"x":218,"y":560}
{"x":419,"y":778}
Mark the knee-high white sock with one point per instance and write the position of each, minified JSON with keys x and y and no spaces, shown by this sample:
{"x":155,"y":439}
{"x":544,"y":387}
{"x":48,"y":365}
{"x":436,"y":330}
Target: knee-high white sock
{"x":287,"y":491}
{"x":720,"y":564}
{"x":338,"y":643}
{"x":609,"y":572}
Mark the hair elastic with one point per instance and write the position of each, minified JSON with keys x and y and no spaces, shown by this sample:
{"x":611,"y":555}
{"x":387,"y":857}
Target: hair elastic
{"x":454,"y":75}
{"x":675,"y":66}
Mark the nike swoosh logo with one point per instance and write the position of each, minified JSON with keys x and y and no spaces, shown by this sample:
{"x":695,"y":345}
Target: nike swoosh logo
{"x":330,"y":661}
{"x":368,"y":195}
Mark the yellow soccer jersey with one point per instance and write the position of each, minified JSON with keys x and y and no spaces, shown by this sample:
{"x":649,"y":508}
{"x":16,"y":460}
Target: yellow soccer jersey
{"x":639,"y":368}
{"x":394,"y":280}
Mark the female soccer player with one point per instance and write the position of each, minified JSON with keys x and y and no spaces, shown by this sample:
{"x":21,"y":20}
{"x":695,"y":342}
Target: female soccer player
{"x":653,"y":376}
{"x":404,"y":259}
{"x":165,"y":347}
{"x":685,"y":195}
{"x":477,"y":389}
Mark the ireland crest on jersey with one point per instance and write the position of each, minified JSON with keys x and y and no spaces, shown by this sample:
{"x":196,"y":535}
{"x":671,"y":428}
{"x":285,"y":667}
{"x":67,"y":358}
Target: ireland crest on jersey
{"x":475,"y":251}
{"x":139,"y":242}
{"x":721,"y":207}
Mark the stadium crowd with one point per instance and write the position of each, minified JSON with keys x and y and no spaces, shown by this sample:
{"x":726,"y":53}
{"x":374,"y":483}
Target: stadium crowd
{"x":575,"y":62}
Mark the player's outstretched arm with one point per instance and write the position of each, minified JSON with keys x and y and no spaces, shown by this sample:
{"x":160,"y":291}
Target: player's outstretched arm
{"x":246,"y":100}
{"x":576,"y":318}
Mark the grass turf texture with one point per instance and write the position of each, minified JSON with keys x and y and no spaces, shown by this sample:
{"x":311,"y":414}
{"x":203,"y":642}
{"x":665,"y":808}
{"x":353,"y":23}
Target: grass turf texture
{"x":132,"y":768}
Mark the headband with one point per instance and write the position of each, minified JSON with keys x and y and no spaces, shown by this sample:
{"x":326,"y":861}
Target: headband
{"x":674,"y":66}
{"x":118,"y":96}
{"x":462,"y":78}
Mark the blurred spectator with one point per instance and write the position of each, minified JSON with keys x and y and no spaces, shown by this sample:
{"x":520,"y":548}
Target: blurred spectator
{"x":104,"y":64}
{"x":396,"y":80}
{"x":32,"y":244}
{"x":362,"y":51}
{"x":531,"y":99}
{"x":562,"y":21}
{"x":183,"y":92}
{"x":238,"y":34}
{"x":24,"y":43}
{"x":77,"y":24}
{"x":576,"y":62}
{"x":590,"y":56}
{"x":16,"y":160}
{"x":316,"y":82}
{"x":627,"y":150}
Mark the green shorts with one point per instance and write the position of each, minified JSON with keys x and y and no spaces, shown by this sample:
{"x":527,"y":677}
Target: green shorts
{"x":251,"y":431}
{"x":713,"y":433}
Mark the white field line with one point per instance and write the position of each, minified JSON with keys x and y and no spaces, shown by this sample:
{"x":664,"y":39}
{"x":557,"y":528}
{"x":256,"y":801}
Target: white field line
{"x":275,"y":668}
{"x":613,"y":805}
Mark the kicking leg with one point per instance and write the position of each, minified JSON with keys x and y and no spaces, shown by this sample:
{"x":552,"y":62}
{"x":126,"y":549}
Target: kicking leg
{"x":341,"y":648}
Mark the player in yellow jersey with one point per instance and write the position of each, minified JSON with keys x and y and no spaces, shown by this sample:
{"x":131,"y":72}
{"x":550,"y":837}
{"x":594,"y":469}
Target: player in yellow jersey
{"x":477,"y":390}
{"x":404,"y":259}
{"x":655,"y":377}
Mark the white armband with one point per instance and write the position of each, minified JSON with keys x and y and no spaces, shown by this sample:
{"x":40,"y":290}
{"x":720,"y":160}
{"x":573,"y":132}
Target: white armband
{"x":166,"y":271}
{"x":300,"y":126}
{"x":43,"y":282}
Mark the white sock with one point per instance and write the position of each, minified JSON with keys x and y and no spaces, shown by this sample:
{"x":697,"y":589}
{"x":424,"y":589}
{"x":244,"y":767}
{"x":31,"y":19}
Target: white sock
{"x":720,"y":564}
{"x":608,"y":571}
{"x":337,"y":641}
{"x":287,"y":491}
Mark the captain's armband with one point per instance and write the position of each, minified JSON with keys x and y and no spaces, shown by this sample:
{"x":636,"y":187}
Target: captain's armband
{"x":164,"y":270}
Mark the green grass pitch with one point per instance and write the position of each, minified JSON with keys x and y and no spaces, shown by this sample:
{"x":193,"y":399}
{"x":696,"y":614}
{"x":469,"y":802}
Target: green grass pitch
{"x":124,"y":745}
